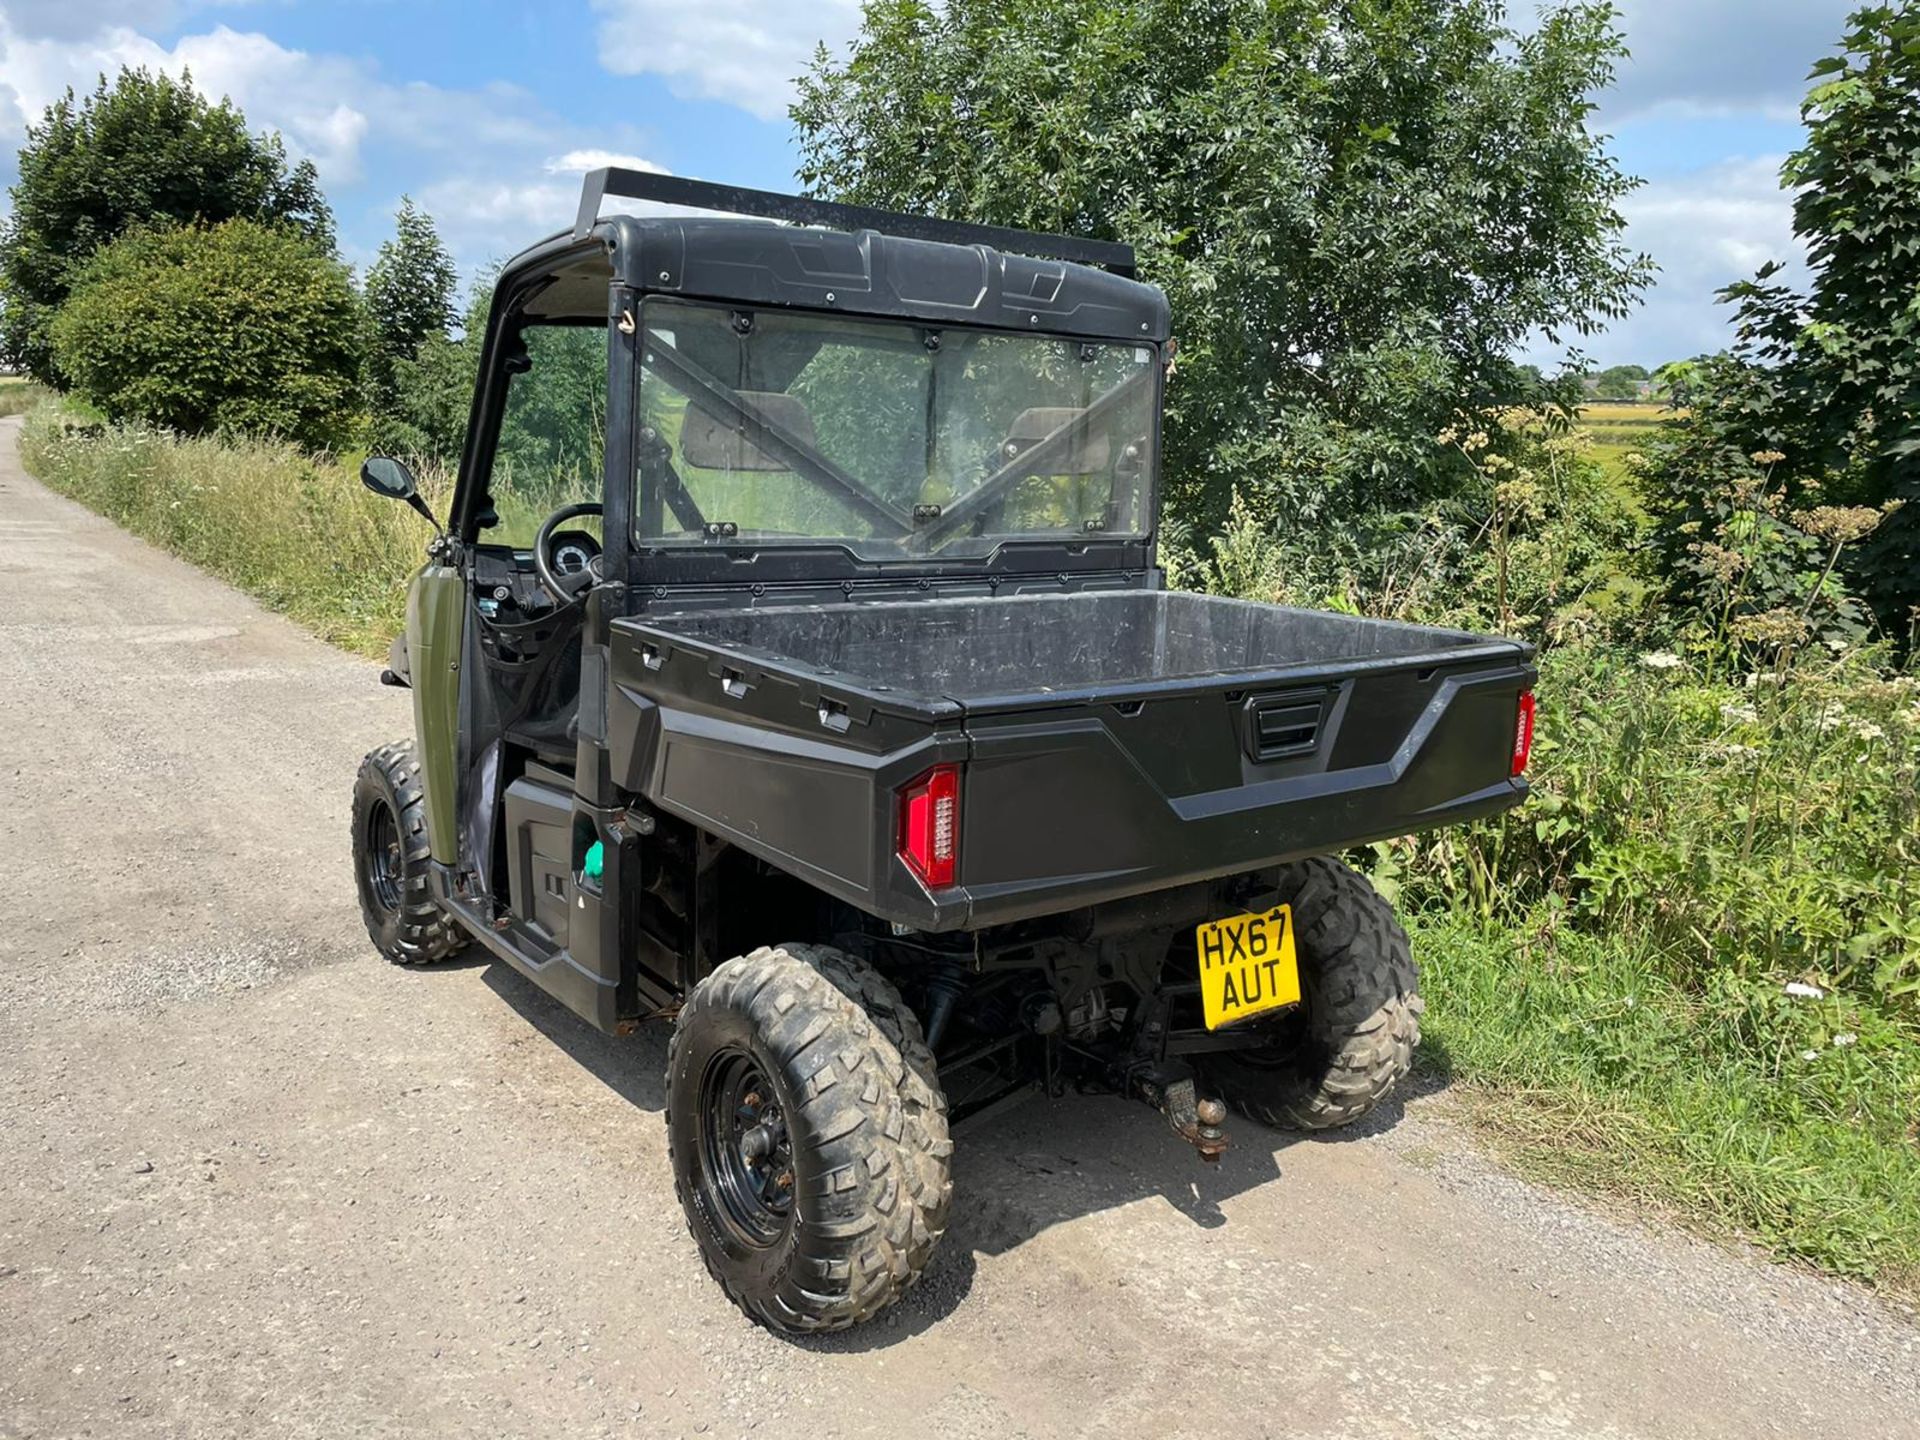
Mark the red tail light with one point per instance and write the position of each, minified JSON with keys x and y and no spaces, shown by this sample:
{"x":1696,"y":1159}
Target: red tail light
{"x":930,"y":825}
{"x":1523,"y":733}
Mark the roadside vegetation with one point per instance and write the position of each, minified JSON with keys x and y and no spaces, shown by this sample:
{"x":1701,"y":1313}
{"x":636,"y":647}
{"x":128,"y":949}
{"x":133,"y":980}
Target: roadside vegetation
{"x":19,"y":396}
{"x":295,"y":530}
{"x":1687,"y":974}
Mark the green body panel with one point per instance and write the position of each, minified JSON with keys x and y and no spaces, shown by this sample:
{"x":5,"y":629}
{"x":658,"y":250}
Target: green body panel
{"x":436,"y":613}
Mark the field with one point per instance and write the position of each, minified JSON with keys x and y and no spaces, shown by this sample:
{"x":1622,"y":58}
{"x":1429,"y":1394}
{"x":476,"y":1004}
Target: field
{"x":1620,"y":429}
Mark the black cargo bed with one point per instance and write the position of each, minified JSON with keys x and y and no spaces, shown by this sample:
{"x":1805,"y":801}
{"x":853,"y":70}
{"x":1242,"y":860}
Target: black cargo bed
{"x":1114,"y":742}
{"x":987,"y":655}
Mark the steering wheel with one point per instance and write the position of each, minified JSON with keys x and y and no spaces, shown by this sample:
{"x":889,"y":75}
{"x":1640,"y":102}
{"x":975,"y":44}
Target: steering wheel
{"x":565,"y":588}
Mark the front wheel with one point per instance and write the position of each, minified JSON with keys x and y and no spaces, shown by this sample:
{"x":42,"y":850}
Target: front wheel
{"x":1352,"y":1037}
{"x":390,"y":860}
{"x":808,"y":1136}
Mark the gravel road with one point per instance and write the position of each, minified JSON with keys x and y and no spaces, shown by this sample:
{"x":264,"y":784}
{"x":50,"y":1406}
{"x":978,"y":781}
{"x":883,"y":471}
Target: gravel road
{"x":254,"y":1181}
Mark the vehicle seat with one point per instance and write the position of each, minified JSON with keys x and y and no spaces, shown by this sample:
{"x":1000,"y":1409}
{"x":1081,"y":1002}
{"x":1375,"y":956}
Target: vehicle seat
{"x":1088,"y":454}
{"x":715,"y":442}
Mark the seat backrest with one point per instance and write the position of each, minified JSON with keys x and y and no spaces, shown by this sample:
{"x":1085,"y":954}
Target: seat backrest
{"x":713,"y":442}
{"x":1085,"y":454}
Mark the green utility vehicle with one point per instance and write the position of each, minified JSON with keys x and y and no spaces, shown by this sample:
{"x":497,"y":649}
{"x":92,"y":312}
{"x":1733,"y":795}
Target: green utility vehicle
{"x":794,"y":670}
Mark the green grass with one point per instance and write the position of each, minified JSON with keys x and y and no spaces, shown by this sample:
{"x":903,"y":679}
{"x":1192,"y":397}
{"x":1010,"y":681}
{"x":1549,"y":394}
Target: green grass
{"x":298,"y":532}
{"x":1587,"y":1067}
{"x":19,"y":395}
{"x":1620,"y":429}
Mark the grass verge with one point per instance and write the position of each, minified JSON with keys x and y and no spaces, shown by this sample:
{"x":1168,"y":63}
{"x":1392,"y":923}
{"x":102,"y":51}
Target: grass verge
{"x":298,"y":533}
{"x":18,"y":396}
{"x":1591,"y":1069}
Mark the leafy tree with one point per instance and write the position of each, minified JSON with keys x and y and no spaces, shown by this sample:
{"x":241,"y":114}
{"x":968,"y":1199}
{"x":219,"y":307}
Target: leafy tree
{"x":426,"y":415}
{"x":1619,"y":382}
{"x":1359,"y":211}
{"x":146,"y":149}
{"x":409,"y":297}
{"x":238,"y":326}
{"x":1845,"y":352}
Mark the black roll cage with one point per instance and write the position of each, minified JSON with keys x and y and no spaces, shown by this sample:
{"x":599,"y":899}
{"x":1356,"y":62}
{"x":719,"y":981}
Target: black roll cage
{"x":596,"y":244}
{"x":803,"y":210}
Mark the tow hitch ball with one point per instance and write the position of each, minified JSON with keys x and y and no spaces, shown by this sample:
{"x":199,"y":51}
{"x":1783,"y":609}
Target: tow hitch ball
{"x":1194,"y":1118}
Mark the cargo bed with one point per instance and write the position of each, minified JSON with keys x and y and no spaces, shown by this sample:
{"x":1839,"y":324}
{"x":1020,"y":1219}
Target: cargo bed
{"x":988,"y":654}
{"x":1113,"y":741}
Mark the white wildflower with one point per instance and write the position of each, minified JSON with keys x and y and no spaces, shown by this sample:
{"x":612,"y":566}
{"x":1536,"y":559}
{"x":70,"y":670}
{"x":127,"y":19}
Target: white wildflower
{"x":1846,"y":1037}
{"x":1660,"y":660}
{"x":1741,"y":714}
{"x":1809,"y":1054}
{"x":1800,"y":990}
{"x":1867,"y":730}
{"x":1832,"y":716}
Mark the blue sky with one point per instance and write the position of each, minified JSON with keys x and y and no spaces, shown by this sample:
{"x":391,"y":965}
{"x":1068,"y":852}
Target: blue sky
{"x":487,"y":112}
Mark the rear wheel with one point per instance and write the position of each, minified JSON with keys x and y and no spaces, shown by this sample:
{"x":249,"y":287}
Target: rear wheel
{"x":390,"y":860}
{"x":1352,"y":1037}
{"x":808,"y":1136}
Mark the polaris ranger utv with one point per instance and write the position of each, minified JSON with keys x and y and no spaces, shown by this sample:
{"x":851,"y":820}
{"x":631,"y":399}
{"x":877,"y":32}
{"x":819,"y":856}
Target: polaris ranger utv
{"x":865,"y":745}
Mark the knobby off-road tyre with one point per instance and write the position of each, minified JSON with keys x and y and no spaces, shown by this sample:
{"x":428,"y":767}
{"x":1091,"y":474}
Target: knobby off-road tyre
{"x":390,"y":860}
{"x":1352,"y":1038}
{"x":808,"y":1136}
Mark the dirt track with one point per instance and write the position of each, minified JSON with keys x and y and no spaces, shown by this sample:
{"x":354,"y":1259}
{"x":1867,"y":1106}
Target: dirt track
{"x":253,"y":1181}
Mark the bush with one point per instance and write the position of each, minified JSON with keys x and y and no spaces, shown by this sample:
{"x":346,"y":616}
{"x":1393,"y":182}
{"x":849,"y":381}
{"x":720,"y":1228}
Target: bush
{"x":149,"y":149}
{"x":1689,"y":969}
{"x":1537,"y":542}
{"x":238,"y":327}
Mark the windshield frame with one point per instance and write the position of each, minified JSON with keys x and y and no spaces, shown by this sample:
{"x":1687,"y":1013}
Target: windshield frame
{"x":792,"y":557}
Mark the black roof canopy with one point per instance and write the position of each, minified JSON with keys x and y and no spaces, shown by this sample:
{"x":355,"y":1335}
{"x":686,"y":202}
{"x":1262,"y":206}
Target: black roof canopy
{"x":834,"y":257}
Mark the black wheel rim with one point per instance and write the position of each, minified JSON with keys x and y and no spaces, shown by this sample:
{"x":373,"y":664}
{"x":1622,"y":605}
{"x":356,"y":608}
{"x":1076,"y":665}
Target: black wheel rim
{"x":385,"y":864}
{"x":747,"y":1170}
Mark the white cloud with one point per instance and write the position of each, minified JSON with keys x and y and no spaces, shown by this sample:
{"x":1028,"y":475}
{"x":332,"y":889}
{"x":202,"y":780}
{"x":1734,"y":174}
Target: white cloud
{"x":307,"y":98}
{"x":746,"y":52}
{"x":326,"y":106}
{"x":1720,"y":57}
{"x":486,"y":220}
{"x":1706,"y":229}
{"x":579,"y":162}
{"x":490,"y":161}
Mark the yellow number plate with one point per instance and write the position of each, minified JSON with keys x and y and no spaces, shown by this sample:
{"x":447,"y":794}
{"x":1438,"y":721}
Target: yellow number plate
{"x":1247,"y":966}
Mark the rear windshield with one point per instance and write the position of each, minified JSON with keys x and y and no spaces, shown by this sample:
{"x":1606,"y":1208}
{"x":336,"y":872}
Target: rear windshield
{"x":896,"y":440}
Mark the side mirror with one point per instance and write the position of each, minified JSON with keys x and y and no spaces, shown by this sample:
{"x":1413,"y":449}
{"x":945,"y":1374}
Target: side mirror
{"x":384,"y":475}
{"x":387,"y":476}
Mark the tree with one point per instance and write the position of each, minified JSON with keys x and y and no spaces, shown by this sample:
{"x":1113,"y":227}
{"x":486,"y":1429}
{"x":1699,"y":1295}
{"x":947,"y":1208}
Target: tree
{"x":1845,"y":352}
{"x":147,"y":149}
{"x":1619,"y":382}
{"x":409,"y":298}
{"x":1359,"y":212}
{"x":426,"y":417}
{"x":238,"y":326}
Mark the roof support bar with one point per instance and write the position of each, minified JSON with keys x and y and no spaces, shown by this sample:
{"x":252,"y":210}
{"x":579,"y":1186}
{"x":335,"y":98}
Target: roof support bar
{"x":797,"y":210}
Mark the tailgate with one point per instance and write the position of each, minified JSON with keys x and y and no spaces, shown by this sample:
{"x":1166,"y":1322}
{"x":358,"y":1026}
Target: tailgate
{"x":1103,"y":800}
